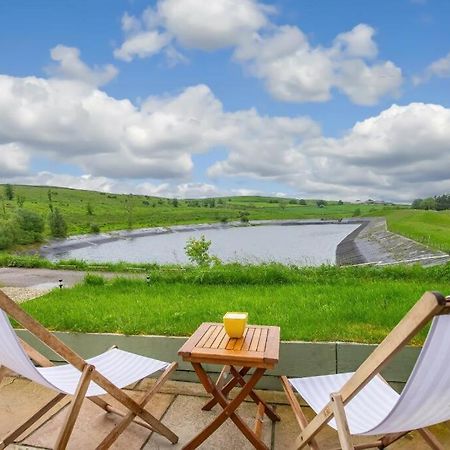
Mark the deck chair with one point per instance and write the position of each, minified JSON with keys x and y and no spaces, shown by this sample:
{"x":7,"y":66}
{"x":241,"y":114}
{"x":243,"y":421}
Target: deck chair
{"x":91,"y":378}
{"x":363,"y":403}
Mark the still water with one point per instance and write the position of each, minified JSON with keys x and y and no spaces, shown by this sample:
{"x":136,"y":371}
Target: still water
{"x":290,"y":244}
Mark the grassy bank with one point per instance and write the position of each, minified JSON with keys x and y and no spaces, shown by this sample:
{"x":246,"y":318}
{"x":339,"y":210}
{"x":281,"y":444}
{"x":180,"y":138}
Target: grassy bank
{"x":431,"y":228}
{"x":321,"y":304}
{"x":82,"y":209}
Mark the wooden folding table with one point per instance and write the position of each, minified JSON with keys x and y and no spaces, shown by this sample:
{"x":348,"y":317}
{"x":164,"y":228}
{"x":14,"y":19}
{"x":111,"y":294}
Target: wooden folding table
{"x":258,"y":349}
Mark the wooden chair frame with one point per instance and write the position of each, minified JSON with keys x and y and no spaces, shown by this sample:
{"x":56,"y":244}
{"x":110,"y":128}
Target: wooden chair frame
{"x":136,"y":412}
{"x":431,"y":304}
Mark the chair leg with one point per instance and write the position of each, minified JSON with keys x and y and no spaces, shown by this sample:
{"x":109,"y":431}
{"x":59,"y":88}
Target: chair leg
{"x":9,"y":439}
{"x":430,"y":439}
{"x":74,"y":408}
{"x":297,"y":410}
{"x":341,"y":421}
{"x":121,"y":426}
{"x":3,"y":371}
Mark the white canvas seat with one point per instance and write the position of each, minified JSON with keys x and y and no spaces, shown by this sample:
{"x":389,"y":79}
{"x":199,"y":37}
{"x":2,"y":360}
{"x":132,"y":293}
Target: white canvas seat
{"x":377,"y":408}
{"x":370,"y":407}
{"x":120,"y":367}
{"x":91,"y":378}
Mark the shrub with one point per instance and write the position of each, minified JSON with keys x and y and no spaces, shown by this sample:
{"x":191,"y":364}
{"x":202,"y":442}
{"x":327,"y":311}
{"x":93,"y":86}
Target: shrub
{"x":9,"y":192}
{"x":30,"y":226}
{"x":94,"y":228}
{"x":7,"y":235}
{"x":197,"y":251}
{"x":357,"y":212}
{"x":58,"y":226}
{"x":244,"y":216}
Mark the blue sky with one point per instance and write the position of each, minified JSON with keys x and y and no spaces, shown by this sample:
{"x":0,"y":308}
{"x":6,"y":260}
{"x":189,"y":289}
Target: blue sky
{"x":194,"y":98}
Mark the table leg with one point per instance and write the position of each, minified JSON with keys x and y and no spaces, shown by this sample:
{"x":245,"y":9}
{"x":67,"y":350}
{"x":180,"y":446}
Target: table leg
{"x":273,"y":416}
{"x":226,"y":389}
{"x":229,"y":408}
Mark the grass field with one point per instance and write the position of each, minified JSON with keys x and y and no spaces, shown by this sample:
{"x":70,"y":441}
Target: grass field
{"x":109,"y":211}
{"x":431,"y":228}
{"x":311,"y":304}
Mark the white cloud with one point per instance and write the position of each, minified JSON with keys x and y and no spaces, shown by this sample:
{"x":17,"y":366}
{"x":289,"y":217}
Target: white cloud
{"x":111,"y":185}
{"x":291,"y":68}
{"x":439,"y":68}
{"x":212,"y":25}
{"x":294,"y":71}
{"x":71,"y":67}
{"x":14,"y":160}
{"x":142,"y":44}
{"x":402,"y":153}
{"x":358,"y":42}
{"x":74,"y":123}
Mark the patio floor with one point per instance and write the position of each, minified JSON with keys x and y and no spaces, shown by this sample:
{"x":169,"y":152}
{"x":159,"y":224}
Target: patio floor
{"x":179,"y":404}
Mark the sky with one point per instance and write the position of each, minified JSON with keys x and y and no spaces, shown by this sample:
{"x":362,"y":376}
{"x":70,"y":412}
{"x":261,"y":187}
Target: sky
{"x":336,"y":99}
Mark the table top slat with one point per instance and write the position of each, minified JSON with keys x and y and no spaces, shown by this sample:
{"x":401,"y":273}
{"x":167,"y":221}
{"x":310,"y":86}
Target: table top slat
{"x":255,"y":340}
{"x":225,"y":341}
{"x":273,"y":344}
{"x":231,"y":343}
{"x":219,"y":338}
{"x":248,"y":339}
{"x":206,"y":336}
{"x":212,"y":337}
{"x":263,"y":340}
{"x":240,"y":342}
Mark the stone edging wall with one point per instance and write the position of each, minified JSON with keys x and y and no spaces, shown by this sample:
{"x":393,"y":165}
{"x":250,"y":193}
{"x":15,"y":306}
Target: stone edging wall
{"x":297,"y":359}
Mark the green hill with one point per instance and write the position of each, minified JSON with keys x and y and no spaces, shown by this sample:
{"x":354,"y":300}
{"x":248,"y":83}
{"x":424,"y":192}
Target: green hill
{"x":88,"y":210}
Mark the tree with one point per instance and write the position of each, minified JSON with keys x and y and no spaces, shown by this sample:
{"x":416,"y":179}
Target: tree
{"x":128,"y":205}
{"x":58,"y":226}
{"x":197,"y":251}
{"x":175,"y":202}
{"x":20,"y":200}
{"x":340,"y":202}
{"x":9,"y":192}
{"x":30,"y":226}
{"x":50,"y":200}
{"x":244,"y":216}
{"x":7,"y":234}
{"x":428,"y":203}
{"x":417,"y":203}
{"x":321,"y":203}
{"x":443,"y":202}
{"x":302,"y":202}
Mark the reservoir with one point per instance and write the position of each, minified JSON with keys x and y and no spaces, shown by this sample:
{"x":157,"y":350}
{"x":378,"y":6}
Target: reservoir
{"x":299,"y":244}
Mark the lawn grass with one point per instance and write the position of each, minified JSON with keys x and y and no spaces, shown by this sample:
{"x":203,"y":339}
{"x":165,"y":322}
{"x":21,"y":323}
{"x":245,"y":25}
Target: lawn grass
{"x":323,"y":304}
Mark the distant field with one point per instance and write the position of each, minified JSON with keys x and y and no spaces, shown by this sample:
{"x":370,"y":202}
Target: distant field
{"x":359,"y":304}
{"x":109,"y":211}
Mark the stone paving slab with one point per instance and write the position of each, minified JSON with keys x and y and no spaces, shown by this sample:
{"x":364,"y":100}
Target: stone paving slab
{"x":186,"y":418}
{"x":93,"y":425}
{"x":180,"y":408}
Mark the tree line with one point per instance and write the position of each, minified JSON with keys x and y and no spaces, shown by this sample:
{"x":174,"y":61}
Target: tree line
{"x":437,"y":203}
{"x":27,"y":227}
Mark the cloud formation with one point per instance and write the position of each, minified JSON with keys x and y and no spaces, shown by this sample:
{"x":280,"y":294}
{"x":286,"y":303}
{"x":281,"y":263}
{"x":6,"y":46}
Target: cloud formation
{"x":70,"y":67}
{"x":439,"y":68}
{"x":401,"y":153}
{"x":72,"y":122}
{"x":291,"y":68}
